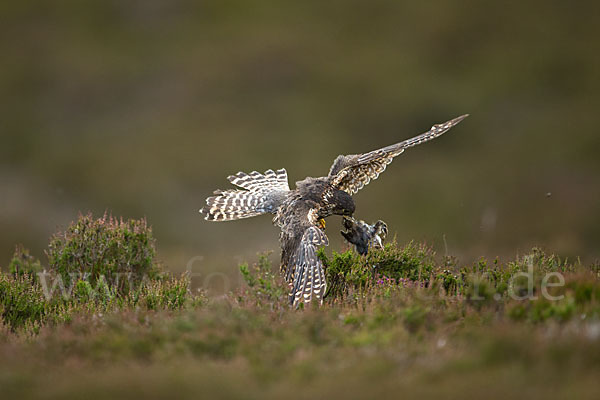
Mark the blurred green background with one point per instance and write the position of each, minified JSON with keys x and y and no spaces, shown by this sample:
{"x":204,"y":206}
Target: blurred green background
{"x":143,"y":108}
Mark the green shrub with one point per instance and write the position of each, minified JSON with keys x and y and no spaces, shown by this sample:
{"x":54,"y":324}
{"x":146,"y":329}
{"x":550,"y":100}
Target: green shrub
{"x":170,"y":294}
{"x":415,"y":262}
{"x":23,"y":303}
{"x":96,"y":265}
{"x":349,"y":274}
{"x":479,"y":290}
{"x":264,"y":285}
{"x":451,"y":282}
{"x":345,"y":273}
{"x":120,"y":251}
{"x":24,"y":263}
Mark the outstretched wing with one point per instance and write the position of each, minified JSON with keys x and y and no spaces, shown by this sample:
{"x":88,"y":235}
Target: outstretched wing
{"x":309,"y":277}
{"x":351,"y":173}
{"x":300,"y":241}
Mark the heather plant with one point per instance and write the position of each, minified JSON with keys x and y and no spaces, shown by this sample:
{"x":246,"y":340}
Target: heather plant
{"x":529,"y":287}
{"x":414,"y":261}
{"x":24,"y":263}
{"x":348,"y":274}
{"x":169,"y":294}
{"x":429,"y":317}
{"x":23,"y":303}
{"x":120,"y":251}
{"x":407,"y":283}
{"x":264,"y":286}
{"x":486,"y":282}
{"x":26,"y":305}
{"x":95,"y":266}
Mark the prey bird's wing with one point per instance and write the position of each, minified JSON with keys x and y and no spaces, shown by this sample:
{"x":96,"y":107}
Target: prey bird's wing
{"x":300,"y":241}
{"x":352,"y":172}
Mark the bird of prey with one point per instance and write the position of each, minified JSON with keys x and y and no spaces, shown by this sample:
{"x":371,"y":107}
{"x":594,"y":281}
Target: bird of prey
{"x":300,"y":212}
{"x":364,"y":236}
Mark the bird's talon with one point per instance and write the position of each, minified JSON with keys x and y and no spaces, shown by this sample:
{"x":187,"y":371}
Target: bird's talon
{"x":321,"y":222}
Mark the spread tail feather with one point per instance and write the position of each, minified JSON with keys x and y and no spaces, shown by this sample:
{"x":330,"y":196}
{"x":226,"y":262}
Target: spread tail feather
{"x":231,"y":205}
{"x":258,"y":196}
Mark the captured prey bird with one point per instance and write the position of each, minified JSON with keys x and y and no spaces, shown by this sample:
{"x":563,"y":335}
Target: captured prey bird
{"x":300,"y":212}
{"x":364,"y":236}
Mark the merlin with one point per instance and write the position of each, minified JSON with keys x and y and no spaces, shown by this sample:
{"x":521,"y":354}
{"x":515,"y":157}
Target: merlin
{"x":300,"y":213}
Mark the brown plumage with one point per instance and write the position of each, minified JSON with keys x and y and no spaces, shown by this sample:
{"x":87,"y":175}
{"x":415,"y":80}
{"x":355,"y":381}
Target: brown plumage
{"x":299,"y":212}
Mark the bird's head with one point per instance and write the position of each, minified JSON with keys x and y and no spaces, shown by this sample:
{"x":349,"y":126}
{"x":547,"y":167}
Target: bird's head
{"x":348,"y":223}
{"x":342,"y":203}
{"x":381,"y":229}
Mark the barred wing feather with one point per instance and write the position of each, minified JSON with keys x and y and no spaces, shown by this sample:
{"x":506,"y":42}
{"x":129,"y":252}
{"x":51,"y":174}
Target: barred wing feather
{"x":309,"y":276}
{"x":352,"y":172}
